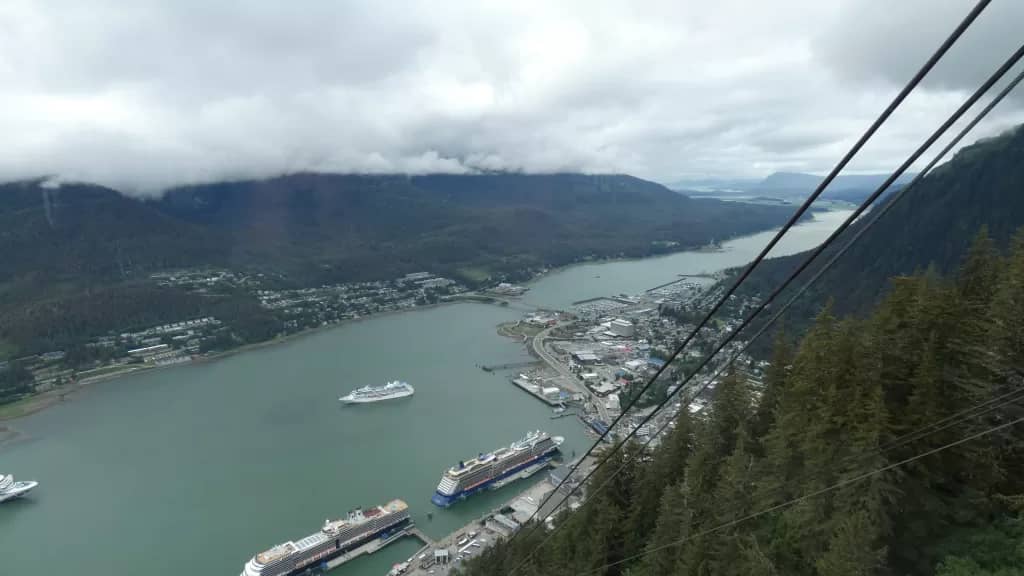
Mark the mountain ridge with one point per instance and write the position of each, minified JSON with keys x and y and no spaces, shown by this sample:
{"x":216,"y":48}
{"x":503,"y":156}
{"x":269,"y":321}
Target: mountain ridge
{"x":933,"y":226}
{"x":83,"y":245}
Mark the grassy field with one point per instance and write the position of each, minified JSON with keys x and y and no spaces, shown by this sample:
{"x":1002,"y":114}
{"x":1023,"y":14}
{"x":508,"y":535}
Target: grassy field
{"x":18,"y":408}
{"x":518,"y":329}
{"x":474,"y":273}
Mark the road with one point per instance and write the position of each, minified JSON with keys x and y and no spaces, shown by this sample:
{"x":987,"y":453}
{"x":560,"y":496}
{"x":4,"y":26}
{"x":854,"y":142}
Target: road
{"x":542,"y":352}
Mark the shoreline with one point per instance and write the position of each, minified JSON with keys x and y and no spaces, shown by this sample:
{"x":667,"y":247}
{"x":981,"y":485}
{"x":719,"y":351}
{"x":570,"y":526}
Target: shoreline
{"x":38,"y":402}
{"x":717,"y":247}
{"x":43,"y":400}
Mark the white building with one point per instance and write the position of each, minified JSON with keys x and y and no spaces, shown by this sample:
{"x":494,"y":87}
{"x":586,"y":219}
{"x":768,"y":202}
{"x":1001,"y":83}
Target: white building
{"x":585,"y":357}
{"x":623,"y":328}
{"x":611,"y":402}
{"x":635,"y":365}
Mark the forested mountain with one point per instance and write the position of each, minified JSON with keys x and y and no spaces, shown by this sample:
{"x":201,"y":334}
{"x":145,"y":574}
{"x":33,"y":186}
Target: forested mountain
{"x":78,"y":259}
{"x":856,"y":395}
{"x":931,"y":226}
{"x":360,"y":226}
{"x":801,"y":185}
{"x":354,"y":227}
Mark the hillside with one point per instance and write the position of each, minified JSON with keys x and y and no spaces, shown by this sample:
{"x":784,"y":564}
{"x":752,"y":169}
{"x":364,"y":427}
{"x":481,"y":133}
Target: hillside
{"x":74,"y":253}
{"x":931,"y":226}
{"x":379,"y":226}
{"x":835,"y":465}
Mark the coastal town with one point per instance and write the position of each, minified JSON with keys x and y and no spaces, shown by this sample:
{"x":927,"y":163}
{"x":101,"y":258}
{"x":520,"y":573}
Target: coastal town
{"x":194,"y":339}
{"x":589,"y":362}
{"x":586,"y":362}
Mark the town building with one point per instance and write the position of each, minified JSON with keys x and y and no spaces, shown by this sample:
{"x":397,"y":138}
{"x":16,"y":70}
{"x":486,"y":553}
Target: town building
{"x":623,"y":328}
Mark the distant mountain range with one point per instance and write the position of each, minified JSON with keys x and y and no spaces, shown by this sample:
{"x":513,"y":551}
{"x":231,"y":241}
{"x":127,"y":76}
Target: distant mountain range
{"x":81,"y":246}
{"x":322,"y":227}
{"x":789,"y":186}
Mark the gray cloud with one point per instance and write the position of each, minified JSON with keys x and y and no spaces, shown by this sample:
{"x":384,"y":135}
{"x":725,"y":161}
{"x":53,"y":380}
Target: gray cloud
{"x":150,"y":94}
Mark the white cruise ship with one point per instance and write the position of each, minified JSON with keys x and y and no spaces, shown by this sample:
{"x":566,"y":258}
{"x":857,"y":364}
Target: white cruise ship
{"x":389,"y":391}
{"x":311,"y":554}
{"x":523,"y":458}
{"x":9,"y":489}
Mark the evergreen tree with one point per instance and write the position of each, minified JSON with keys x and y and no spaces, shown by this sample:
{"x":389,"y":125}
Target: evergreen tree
{"x":667,"y":466}
{"x":673,"y":524}
{"x":774,"y":383}
{"x":853,"y":549}
{"x":733,"y":498}
{"x":854,"y":396}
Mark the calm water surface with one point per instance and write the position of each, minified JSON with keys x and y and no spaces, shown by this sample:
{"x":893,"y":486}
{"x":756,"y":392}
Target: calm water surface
{"x":192,"y":470}
{"x":561,"y":288}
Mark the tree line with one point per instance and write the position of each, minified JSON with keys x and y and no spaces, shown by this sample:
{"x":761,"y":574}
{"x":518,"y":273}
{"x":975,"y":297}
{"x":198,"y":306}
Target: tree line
{"x":850,"y":397}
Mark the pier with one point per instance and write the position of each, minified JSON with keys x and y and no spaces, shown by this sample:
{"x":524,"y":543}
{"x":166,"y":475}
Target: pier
{"x":615,"y":299}
{"x":415,"y":532}
{"x":443,"y":555}
{"x":509,"y":365}
{"x":376,"y":544}
{"x":682,"y":278}
{"x":563,"y":415}
{"x":535,"y":391}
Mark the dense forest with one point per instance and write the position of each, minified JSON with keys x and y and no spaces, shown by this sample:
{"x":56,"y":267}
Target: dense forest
{"x":931,"y":226}
{"x":855,"y":395}
{"x":78,"y":259}
{"x":324,"y":227}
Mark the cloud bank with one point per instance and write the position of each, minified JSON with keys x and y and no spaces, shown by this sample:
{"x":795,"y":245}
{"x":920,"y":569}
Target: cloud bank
{"x":150,"y":94}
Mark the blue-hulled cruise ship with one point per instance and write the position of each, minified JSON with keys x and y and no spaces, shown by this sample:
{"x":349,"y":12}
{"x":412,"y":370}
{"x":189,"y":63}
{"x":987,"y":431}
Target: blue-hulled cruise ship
{"x":495,"y":469}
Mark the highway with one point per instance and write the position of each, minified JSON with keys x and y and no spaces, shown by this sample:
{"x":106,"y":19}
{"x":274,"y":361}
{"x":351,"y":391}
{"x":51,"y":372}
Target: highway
{"x":539,"y":348}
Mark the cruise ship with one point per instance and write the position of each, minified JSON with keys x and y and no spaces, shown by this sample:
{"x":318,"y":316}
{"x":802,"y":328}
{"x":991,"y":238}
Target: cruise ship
{"x":388,"y":391}
{"x":9,"y":489}
{"x":334,"y":539}
{"x":493,"y":470}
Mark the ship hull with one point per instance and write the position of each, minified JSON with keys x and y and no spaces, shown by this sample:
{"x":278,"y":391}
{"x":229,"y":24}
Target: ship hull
{"x":316,"y":567}
{"x":445,"y":500}
{"x":19,"y":490}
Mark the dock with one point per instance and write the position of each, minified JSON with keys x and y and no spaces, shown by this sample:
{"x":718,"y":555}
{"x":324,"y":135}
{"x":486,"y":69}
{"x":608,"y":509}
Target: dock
{"x":443,"y":555}
{"x":377,"y":544}
{"x":615,"y":299}
{"x":682,"y":278}
{"x":415,"y":532}
{"x":529,"y":388}
{"x":509,"y":365}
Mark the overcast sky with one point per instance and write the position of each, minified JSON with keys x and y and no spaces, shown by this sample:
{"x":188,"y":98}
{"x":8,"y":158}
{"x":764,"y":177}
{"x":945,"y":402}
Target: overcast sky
{"x":142,"y":95}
